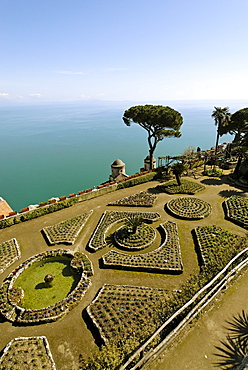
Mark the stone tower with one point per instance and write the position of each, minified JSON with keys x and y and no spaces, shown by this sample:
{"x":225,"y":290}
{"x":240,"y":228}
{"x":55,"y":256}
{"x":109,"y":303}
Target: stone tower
{"x":118,"y":171}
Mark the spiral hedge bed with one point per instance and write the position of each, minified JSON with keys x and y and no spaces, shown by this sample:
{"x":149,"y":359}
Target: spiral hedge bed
{"x":189,"y":208}
{"x":144,"y":237}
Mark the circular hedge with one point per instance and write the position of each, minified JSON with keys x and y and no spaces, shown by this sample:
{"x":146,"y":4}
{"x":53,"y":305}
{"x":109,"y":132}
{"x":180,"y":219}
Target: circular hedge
{"x":126,"y":239}
{"x":190,"y":208}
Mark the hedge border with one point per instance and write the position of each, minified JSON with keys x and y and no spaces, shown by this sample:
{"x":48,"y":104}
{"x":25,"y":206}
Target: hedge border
{"x":54,"y":207}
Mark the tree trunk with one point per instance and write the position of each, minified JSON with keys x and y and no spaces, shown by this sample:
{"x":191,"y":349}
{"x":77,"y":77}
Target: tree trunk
{"x":236,"y":171}
{"x":178,"y":179}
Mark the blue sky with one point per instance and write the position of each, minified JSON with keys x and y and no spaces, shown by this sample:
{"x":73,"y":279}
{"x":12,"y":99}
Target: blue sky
{"x":53,"y":51}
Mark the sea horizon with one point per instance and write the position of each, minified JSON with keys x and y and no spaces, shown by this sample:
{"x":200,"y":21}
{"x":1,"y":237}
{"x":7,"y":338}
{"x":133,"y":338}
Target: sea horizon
{"x":51,"y":150}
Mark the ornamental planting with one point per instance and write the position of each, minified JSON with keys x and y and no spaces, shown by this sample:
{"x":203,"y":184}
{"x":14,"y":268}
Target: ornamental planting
{"x":142,"y":199}
{"x":126,"y":311}
{"x":11,"y":296}
{"x":66,"y":231}
{"x":186,"y":187}
{"x":9,"y":253}
{"x":189,"y":208}
{"x":236,"y":209}
{"x":166,"y":258}
{"x":109,"y":218}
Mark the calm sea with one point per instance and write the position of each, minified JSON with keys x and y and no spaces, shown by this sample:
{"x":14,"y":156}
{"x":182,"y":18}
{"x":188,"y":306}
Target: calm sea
{"x":56,"y":150}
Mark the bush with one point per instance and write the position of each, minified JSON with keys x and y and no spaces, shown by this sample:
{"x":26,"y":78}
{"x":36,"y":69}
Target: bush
{"x":213,"y":172}
{"x":137,"y":180}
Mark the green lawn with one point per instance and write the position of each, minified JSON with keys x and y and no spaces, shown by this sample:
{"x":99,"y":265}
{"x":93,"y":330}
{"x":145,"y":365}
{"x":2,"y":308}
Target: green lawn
{"x":37,"y":294}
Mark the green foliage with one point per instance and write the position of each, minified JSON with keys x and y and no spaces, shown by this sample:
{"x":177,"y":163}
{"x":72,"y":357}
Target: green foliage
{"x":37,"y":212}
{"x":159,"y":122}
{"x":213,"y":172}
{"x":233,"y":352}
{"x":237,"y":125}
{"x":137,"y":180}
{"x":186,"y":187}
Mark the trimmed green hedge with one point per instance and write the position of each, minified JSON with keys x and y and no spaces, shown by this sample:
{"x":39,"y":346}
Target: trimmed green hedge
{"x":137,"y":180}
{"x":37,"y":212}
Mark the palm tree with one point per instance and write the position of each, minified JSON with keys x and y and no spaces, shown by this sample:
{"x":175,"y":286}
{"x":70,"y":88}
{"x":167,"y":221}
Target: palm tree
{"x":233,"y":353}
{"x":178,"y":169}
{"x":221,"y":118}
{"x":134,"y":222}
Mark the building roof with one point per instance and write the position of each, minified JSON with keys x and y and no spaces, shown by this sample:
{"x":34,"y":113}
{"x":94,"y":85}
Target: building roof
{"x":5,"y":209}
{"x":118,"y":163}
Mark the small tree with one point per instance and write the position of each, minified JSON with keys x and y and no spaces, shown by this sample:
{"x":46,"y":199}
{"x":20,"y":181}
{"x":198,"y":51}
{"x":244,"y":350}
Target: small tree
{"x":177,"y":170}
{"x":157,"y":120}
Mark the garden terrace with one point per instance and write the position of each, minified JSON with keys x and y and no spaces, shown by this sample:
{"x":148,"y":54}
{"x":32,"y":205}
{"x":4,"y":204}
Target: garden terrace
{"x":109,"y":218}
{"x":141,"y":199}
{"x":165,"y":259}
{"x":236,"y":208}
{"x":189,"y":208}
{"x":66,"y":231}
{"x":186,"y":187}
{"x":27,"y":353}
{"x":11,"y":295}
{"x":9,"y":253}
{"x":214,"y":243}
{"x":127,"y":311}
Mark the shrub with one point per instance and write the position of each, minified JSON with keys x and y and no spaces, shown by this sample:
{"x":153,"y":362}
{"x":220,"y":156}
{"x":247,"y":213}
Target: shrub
{"x":213,"y":172}
{"x":137,"y":180}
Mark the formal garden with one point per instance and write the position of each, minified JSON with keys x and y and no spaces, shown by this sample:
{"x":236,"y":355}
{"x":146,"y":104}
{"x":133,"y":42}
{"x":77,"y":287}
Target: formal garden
{"x":109,"y":218}
{"x":46,"y":286}
{"x":165,"y":259}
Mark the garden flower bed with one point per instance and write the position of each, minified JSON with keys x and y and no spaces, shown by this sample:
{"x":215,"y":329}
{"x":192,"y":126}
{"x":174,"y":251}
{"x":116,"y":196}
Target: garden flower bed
{"x":126,"y":311}
{"x":66,"y":231}
{"x":165,"y":259}
{"x":186,"y":187}
{"x":214,"y":243}
{"x":144,"y":237}
{"x":27,"y":353}
{"x":189,"y":208}
{"x":109,"y":218}
{"x":9,"y":253}
{"x":142,"y":199}
{"x":10,"y":295}
{"x":236,"y":209}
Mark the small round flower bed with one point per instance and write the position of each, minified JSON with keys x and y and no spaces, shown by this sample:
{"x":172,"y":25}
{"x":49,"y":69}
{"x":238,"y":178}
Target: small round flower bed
{"x":189,"y":208}
{"x":126,"y":239}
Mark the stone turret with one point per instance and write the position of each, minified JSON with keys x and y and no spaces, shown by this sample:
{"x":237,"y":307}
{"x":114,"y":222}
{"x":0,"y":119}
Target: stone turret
{"x":147,"y":164}
{"x":118,"y":171}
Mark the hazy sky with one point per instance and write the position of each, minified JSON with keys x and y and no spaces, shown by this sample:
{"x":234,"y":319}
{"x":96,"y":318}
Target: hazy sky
{"x":147,"y":50}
